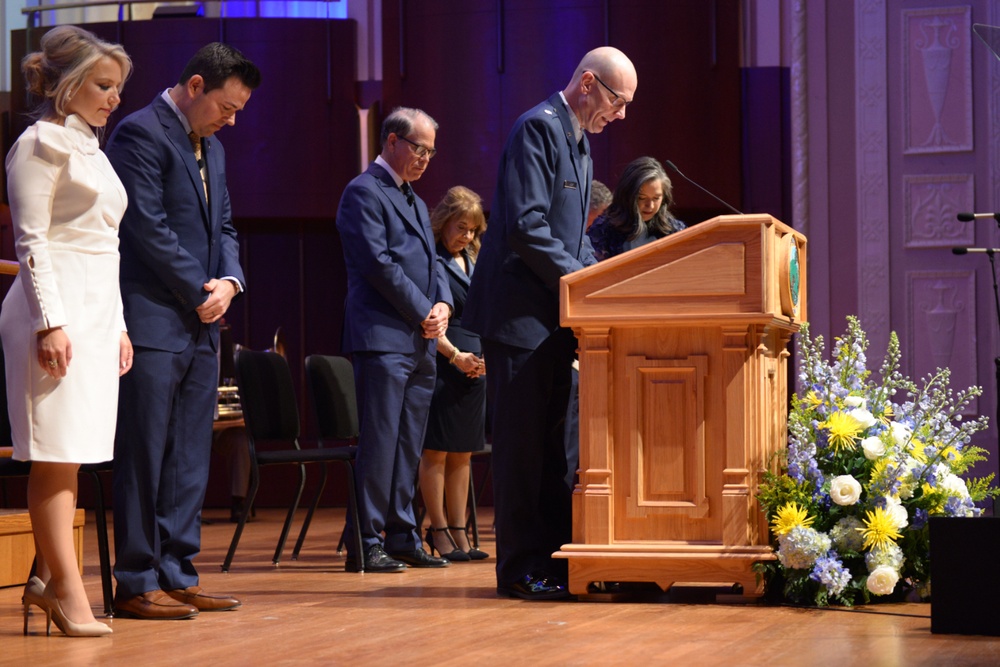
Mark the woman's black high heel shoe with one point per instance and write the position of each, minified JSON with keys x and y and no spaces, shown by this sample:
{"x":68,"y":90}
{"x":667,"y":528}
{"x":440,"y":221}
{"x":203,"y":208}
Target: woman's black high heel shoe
{"x":456,"y":553}
{"x":473,"y":553}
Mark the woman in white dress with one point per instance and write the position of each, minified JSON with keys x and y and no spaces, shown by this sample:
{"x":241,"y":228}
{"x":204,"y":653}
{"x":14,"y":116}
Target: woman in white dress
{"x":62,"y":326}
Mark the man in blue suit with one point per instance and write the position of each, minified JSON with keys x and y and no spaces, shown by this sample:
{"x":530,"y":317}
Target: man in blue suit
{"x":536,"y":236}
{"x":398,"y":304}
{"x":179,"y":272}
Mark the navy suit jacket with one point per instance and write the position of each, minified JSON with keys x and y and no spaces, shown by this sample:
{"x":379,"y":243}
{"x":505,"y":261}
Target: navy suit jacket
{"x":172,"y":240}
{"x":536,"y":231}
{"x":394,"y":276}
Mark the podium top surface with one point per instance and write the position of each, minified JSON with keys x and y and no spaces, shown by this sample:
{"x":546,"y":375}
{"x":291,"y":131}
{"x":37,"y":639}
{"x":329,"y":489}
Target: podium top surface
{"x":745,"y":268}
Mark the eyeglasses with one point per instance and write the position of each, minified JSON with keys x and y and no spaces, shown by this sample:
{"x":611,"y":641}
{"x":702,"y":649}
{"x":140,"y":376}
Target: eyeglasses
{"x":618,"y":101}
{"x":419,"y":150}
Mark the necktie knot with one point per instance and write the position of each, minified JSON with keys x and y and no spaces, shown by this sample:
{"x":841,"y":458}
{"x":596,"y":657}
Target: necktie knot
{"x":408,"y":191}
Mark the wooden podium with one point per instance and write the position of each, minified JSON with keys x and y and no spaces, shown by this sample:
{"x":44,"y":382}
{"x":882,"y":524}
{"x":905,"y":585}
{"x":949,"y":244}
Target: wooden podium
{"x":683,"y":400}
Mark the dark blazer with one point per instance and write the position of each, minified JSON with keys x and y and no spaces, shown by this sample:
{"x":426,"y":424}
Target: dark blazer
{"x":536,"y":232}
{"x":170,"y":246}
{"x":394,"y":276}
{"x":458,"y":281}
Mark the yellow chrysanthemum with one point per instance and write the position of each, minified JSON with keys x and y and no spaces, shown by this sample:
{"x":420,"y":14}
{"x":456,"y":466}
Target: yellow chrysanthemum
{"x":844,"y":430}
{"x":916,"y":449}
{"x":880,"y":529}
{"x":886,"y":415}
{"x":878,"y":469}
{"x":813,"y":400}
{"x":790,"y":516}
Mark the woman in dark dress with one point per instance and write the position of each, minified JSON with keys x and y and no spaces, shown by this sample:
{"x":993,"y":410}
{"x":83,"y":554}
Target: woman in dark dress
{"x":457,"y":423}
{"x":639,"y":212}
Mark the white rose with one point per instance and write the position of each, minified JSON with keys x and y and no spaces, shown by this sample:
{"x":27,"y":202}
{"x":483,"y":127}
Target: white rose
{"x":954,"y":485}
{"x":855,"y":402}
{"x":873,"y":447}
{"x":845,"y":490}
{"x":882,"y":580}
{"x":900,"y":432}
{"x":899,"y":515}
{"x":863,"y":416}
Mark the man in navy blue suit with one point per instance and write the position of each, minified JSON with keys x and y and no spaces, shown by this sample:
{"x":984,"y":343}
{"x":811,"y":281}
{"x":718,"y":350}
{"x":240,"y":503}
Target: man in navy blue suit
{"x":179,"y":273}
{"x":536,"y":236}
{"x":398,"y":304}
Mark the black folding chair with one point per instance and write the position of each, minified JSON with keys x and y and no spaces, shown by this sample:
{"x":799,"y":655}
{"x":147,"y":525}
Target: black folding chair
{"x":335,"y":402}
{"x":271,"y":413}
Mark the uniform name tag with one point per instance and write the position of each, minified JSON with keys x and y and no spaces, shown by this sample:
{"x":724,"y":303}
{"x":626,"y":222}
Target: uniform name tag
{"x":571,"y":185}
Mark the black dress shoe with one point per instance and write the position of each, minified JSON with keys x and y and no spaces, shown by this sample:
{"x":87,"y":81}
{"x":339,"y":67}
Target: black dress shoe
{"x":535,"y":587}
{"x":376,"y":560}
{"x":420,"y":558}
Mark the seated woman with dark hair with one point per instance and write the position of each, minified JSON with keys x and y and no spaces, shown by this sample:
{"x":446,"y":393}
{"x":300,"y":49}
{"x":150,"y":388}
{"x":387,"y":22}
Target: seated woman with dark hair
{"x":639,"y":212}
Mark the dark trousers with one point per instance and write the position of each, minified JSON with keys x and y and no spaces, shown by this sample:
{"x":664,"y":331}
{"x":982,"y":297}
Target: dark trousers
{"x":394,"y":399}
{"x":166,"y":406}
{"x":533,"y":467}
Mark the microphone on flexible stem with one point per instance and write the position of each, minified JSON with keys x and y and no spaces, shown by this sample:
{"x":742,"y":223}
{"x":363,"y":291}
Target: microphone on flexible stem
{"x":673,"y":167}
{"x":964,"y":251}
{"x":969,"y":217}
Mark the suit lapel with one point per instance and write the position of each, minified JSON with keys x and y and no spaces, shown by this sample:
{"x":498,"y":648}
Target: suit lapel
{"x":408,"y":214}
{"x":213,"y":177}
{"x":454,"y":269}
{"x":175,"y":134}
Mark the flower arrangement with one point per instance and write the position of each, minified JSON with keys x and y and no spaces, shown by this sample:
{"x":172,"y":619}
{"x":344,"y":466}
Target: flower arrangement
{"x":868,"y":461}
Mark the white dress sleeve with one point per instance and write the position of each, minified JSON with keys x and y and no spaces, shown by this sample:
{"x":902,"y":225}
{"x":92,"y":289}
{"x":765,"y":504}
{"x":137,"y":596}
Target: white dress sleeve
{"x":33,"y":170}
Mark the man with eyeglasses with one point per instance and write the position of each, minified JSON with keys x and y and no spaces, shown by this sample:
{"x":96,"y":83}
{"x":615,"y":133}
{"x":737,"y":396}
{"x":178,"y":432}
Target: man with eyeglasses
{"x":536,"y":236}
{"x":398,"y":304}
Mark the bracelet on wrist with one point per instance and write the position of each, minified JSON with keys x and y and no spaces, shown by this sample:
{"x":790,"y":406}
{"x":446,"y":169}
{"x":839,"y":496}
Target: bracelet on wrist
{"x":454,"y":355}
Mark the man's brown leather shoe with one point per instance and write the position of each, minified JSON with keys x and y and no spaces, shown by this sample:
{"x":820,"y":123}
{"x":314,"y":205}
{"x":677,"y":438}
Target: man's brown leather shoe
{"x":154,"y":606}
{"x":202,"y":601}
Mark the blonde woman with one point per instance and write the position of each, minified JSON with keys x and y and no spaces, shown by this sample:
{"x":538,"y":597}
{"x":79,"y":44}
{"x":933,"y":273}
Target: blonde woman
{"x":457,"y":423}
{"x":63,"y":331}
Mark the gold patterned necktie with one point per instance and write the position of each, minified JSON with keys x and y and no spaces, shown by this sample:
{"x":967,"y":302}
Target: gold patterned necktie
{"x":196,"y":145}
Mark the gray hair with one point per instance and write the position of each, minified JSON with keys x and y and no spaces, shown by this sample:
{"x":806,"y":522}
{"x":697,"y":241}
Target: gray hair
{"x":400,"y":122}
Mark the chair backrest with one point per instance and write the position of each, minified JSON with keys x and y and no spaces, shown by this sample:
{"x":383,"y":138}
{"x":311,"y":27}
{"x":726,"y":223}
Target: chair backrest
{"x":331,"y":385}
{"x":268,"y":395}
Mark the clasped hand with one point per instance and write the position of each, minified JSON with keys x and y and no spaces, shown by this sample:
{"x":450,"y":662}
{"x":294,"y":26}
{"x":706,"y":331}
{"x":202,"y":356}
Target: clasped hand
{"x":436,"y":323}
{"x":220,"y":295}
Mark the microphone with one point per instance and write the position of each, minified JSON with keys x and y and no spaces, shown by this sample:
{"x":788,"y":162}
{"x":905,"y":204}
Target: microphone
{"x":963,"y":251}
{"x":969,"y":217}
{"x":673,"y":167}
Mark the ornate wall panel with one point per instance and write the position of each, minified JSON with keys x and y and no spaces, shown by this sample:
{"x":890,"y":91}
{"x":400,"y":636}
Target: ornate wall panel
{"x":938,"y":79}
{"x":942,"y":328}
{"x":932,"y":202}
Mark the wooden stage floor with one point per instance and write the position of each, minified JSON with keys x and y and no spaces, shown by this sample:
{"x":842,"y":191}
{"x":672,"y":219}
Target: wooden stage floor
{"x":311,"y":612}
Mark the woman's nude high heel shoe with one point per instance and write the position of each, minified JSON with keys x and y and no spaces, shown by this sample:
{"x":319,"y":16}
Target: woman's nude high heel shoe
{"x":69,"y":628}
{"x":34,"y":592}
